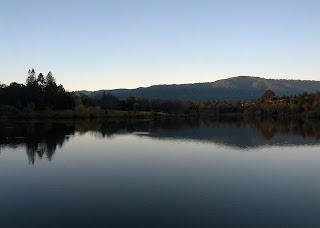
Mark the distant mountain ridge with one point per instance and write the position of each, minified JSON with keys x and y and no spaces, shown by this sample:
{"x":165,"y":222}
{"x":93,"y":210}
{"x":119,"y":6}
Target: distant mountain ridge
{"x":235,"y":88}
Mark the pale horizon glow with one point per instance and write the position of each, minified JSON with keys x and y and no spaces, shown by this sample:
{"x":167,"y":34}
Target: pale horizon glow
{"x":93,"y":45}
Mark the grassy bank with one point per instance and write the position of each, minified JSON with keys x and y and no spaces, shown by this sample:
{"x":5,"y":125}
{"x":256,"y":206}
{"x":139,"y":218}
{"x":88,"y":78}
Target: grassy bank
{"x":81,"y":113}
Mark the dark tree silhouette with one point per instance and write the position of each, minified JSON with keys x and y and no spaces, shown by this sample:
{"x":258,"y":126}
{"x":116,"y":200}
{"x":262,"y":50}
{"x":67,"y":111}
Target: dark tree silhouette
{"x":268,"y":96}
{"x":41,"y":81}
{"x":31,"y":79}
{"x":130,"y":102}
{"x":38,"y":93}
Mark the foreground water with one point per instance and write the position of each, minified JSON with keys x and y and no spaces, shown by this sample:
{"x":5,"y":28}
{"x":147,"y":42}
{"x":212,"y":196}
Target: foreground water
{"x":173,"y":173}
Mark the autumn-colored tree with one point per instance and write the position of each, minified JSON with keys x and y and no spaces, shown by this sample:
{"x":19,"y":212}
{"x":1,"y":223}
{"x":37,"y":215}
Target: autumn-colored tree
{"x":268,"y":96}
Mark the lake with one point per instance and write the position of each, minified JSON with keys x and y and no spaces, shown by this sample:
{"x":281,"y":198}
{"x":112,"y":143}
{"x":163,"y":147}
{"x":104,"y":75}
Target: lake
{"x":165,"y":173}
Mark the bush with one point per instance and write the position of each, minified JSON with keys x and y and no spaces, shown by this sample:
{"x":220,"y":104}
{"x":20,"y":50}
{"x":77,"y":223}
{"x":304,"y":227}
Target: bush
{"x":314,"y":113}
{"x":29,"y":110}
{"x":8,"y":111}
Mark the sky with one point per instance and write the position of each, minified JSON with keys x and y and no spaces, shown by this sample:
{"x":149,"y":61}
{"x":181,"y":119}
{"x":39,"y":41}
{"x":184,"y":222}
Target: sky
{"x":109,"y":44}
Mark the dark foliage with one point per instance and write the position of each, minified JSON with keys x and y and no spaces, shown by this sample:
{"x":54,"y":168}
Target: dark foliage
{"x":42,"y":93}
{"x":38,"y":93}
{"x":302,"y":105}
{"x":268,"y":106}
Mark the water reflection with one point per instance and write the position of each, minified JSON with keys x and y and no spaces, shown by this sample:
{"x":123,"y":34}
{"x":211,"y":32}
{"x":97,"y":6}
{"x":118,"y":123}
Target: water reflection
{"x":42,"y":138}
{"x":39,"y":138}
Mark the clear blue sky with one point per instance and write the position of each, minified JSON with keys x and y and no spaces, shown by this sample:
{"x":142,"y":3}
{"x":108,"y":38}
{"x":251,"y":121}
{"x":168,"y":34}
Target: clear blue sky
{"x":130,"y":43}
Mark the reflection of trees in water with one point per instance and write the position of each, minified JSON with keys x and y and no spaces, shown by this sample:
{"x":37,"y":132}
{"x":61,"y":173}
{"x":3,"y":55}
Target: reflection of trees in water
{"x":41,"y":139}
{"x":174,"y":125}
{"x":109,"y":128}
{"x":268,"y":127}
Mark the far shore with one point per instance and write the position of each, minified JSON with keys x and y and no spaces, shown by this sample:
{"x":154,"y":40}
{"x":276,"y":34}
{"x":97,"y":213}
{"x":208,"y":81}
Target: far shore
{"x":94,"y":113}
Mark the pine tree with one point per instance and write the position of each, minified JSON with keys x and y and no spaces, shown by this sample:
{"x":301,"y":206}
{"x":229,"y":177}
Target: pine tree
{"x":50,"y":80}
{"x":41,"y":81}
{"x":31,"y":79}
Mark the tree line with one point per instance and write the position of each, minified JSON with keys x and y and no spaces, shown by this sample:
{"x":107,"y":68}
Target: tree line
{"x":111,"y":102}
{"x":38,"y":93}
{"x":269,"y":105}
{"x":42,"y":93}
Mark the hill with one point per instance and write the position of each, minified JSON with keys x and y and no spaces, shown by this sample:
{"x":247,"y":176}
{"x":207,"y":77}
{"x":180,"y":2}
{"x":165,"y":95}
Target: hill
{"x":236,"y":88}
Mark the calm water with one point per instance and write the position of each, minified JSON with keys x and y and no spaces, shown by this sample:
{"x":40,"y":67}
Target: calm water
{"x":174,"y":173}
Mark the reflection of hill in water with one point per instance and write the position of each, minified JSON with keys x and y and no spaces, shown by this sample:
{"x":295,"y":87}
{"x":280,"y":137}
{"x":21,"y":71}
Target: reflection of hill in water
{"x":243,"y":137}
{"x":42,"y":138}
